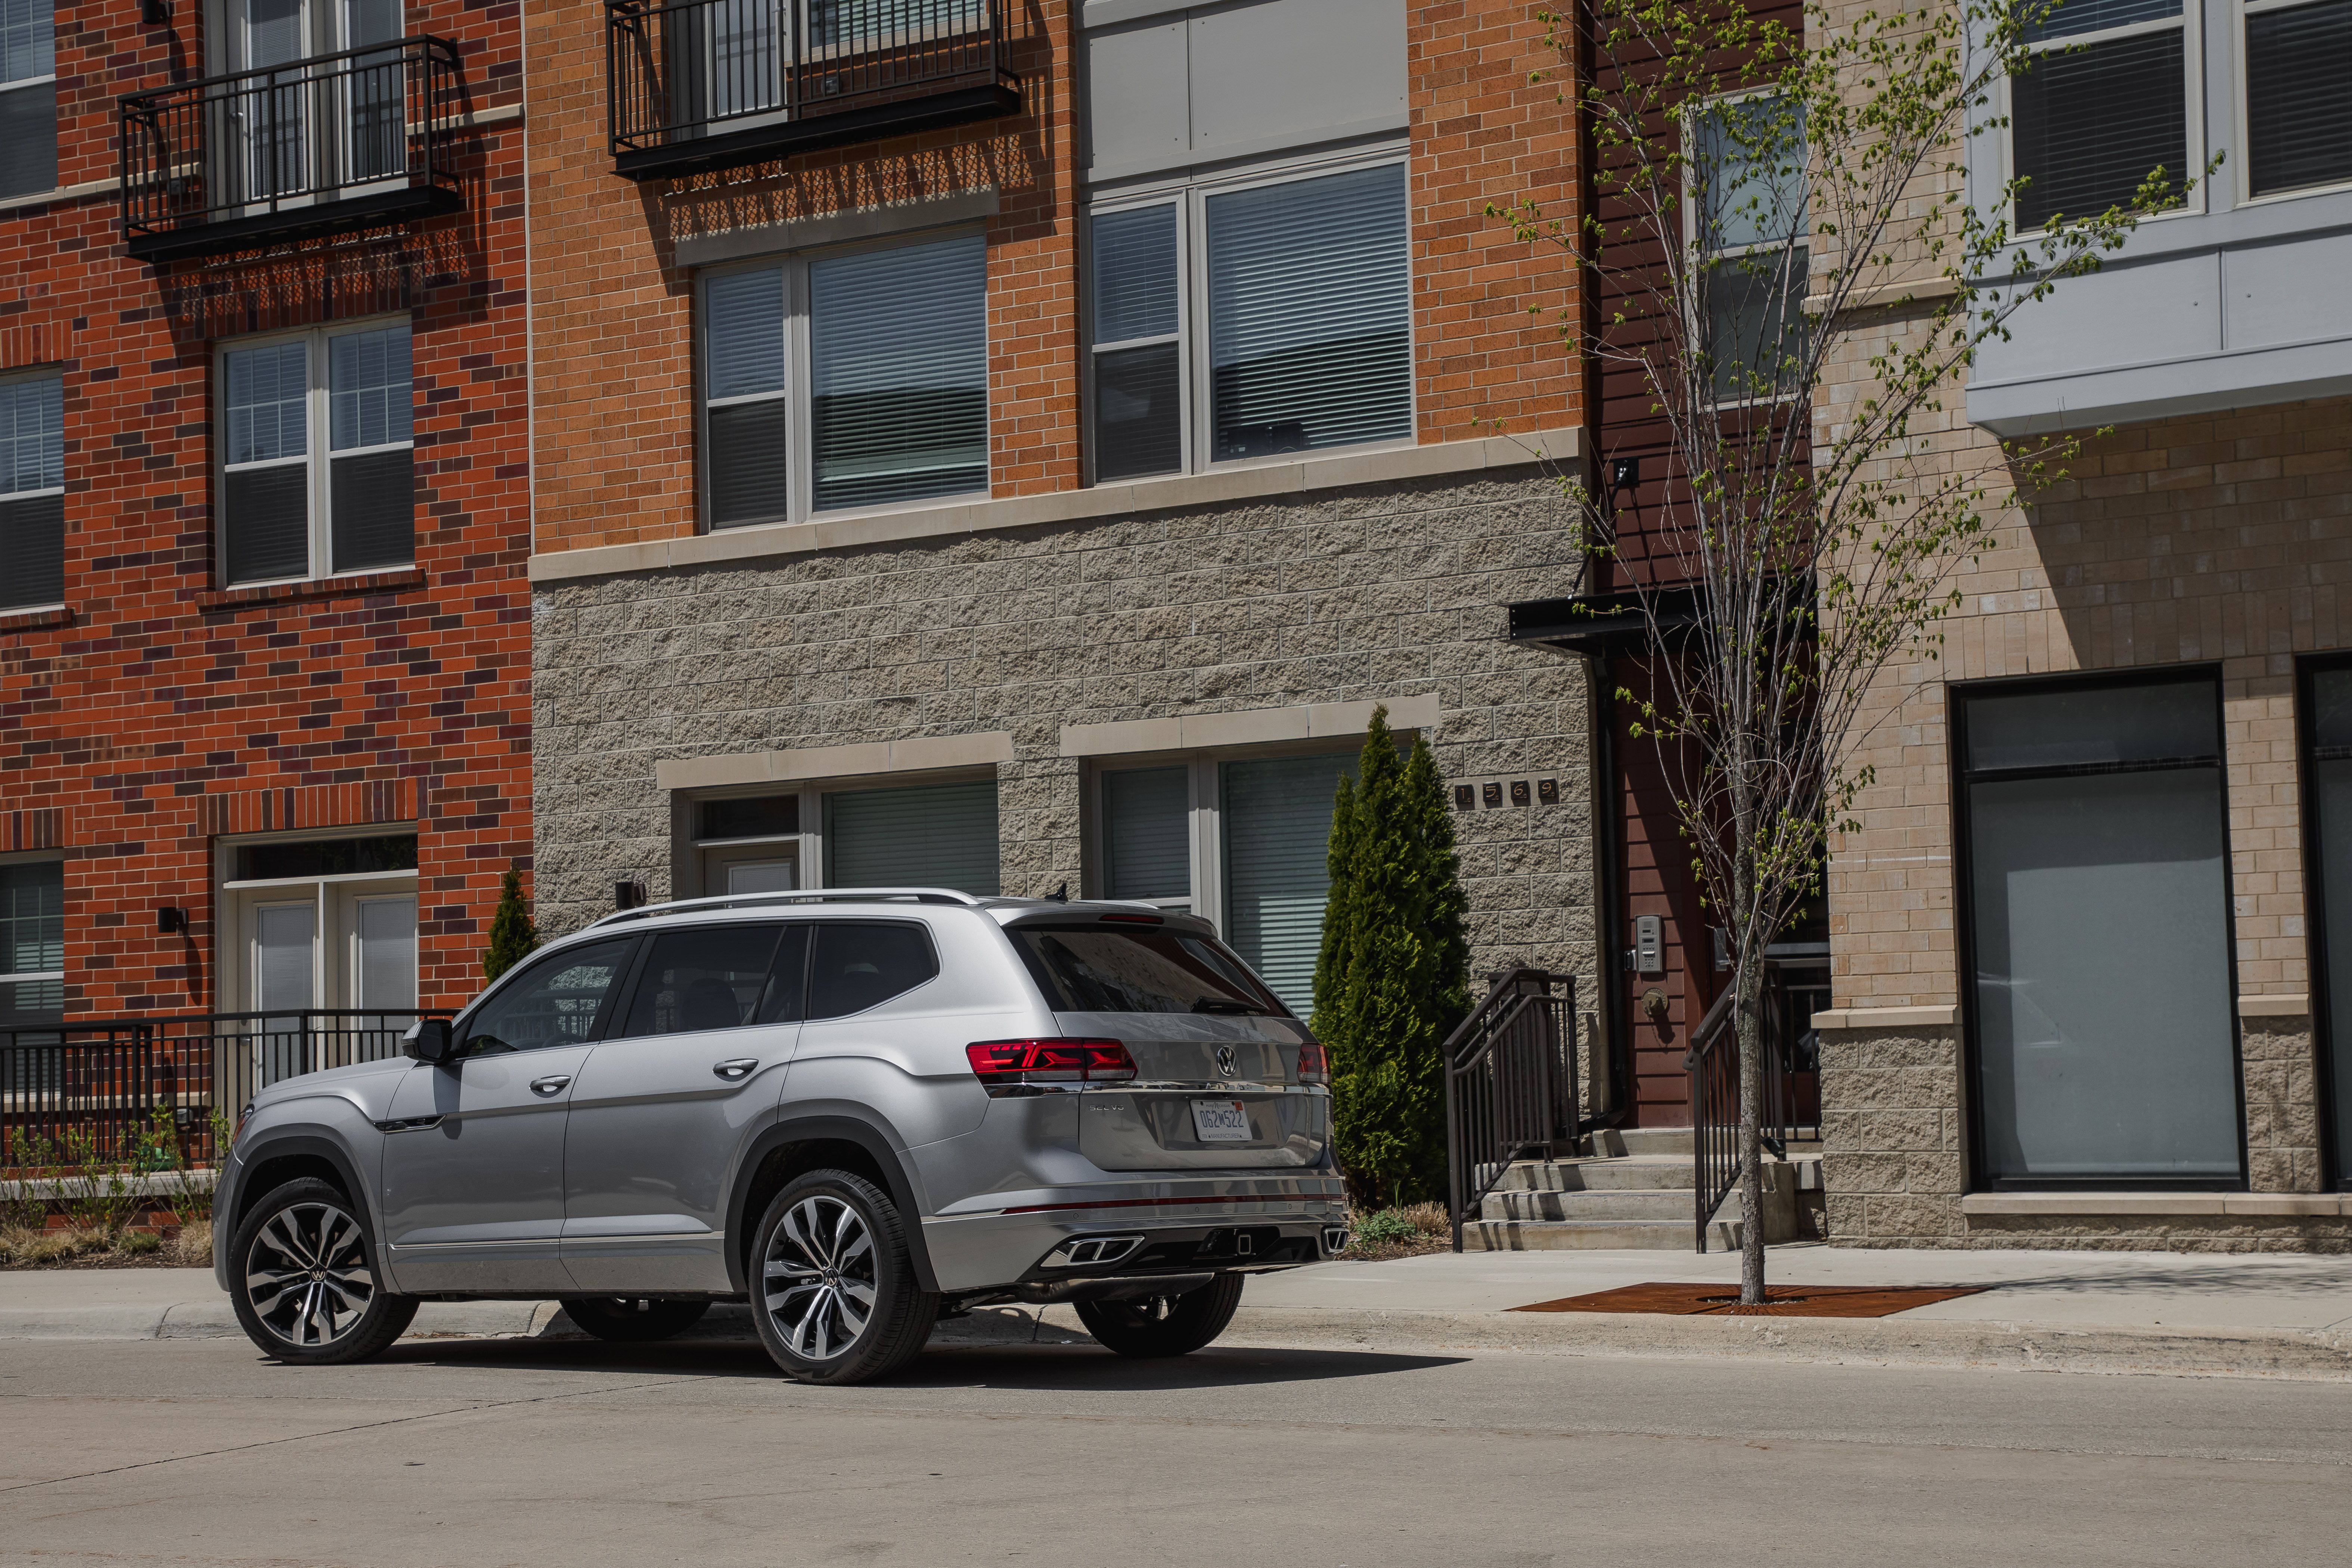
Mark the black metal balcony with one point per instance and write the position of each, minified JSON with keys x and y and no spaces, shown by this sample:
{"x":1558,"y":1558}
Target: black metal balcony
{"x":714,"y":84}
{"x":324,"y":145}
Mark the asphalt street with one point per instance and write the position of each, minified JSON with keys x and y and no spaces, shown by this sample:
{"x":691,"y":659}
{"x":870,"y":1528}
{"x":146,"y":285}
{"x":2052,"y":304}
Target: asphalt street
{"x":486,"y":1451}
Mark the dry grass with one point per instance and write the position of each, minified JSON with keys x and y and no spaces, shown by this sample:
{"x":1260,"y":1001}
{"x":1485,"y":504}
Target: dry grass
{"x":25,"y":1247}
{"x":1407,"y":1232}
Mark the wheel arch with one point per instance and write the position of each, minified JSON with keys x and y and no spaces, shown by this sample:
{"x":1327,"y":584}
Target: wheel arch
{"x":811,"y":1144}
{"x":274,"y":1162}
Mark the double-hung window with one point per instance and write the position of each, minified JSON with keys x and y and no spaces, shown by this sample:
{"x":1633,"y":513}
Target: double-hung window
{"x":1747,"y":226}
{"x":1250,"y":319}
{"x":319,"y":473}
{"x":844,"y":381}
{"x":28,"y":98}
{"x":2298,"y":94}
{"x":31,"y":943}
{"x":32,"y":492}
{"x":2105,"y":104}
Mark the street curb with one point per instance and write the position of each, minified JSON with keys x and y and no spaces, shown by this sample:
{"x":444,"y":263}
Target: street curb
{"x":1880,"y":1342}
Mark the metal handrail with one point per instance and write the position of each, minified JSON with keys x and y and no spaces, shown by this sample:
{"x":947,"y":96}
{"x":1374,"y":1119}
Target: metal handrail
{"x":1717,"y":1159}
{"x":287,"y":139}
{"x":1510,"y":1084}
{"x":689,"y":69}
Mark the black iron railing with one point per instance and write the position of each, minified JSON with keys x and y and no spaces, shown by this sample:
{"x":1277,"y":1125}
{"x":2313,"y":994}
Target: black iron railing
{"x":1791,"y":1096}
{"x":101,"y":1083}
{"x":334,"y":142}
{"x":706,"y":83}
{"x":1510,"y":1084}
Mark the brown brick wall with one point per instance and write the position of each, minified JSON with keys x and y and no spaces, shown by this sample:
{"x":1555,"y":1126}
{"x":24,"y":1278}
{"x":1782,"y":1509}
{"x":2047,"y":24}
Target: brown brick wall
{"x":159,"y":708}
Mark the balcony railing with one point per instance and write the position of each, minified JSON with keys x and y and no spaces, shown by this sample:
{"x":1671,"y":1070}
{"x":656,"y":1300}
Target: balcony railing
{"x":328,"y":144}
{"x":713,"y":84}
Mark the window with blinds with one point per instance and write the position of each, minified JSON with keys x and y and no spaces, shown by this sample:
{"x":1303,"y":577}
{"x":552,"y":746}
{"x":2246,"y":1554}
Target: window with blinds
{"x":31,"y":943}
{"x":318,"y":460}
{"x":880,"y":357}
{"x":2104,"y":106}
{"x":32,"y":492}
{"x":1277,"y":830}
{"x":2298,"y":105}
{"x":919,"y":835}
{"x":28,"y":98}
{"x":1297,"y":307}
{"x":1748,"y":165}
{"x":1146,"y":836}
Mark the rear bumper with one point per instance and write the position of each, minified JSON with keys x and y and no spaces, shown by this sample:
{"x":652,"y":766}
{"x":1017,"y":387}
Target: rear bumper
{"x":1187,"y":1227}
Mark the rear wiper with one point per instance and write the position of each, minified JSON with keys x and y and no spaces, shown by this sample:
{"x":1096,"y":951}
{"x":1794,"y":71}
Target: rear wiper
{"x":1225,"y":1005}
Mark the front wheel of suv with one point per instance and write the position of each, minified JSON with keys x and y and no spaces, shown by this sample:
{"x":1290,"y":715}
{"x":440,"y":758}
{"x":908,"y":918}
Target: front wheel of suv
{"x":833,"y":1286}
{"x":303,"y":1279}
{"x":632,"y":1319}
{"x":1164,"y":1325}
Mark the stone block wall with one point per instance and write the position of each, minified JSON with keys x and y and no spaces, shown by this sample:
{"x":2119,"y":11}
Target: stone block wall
{"x":1378,"y":592}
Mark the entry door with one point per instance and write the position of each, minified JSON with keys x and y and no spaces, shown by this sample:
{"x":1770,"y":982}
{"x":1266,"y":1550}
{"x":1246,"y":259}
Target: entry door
{"x":283,"y":961}
{"x":668,"y":1101}
{"x":270,"y":113}
{"x":751,"y":869}
{"x":473,"y":1181}
{"x":373,"y":98}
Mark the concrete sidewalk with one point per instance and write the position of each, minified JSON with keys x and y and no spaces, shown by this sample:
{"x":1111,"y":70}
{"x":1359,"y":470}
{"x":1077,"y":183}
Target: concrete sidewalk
{"x":2258,"y":1315}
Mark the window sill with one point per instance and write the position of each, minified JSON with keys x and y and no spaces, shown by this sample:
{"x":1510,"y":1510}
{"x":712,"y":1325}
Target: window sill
{"x":34,"y":620}
{"x":1302,"y":478}
{"x":2156,"y":1205}
{"x":316,"y":588}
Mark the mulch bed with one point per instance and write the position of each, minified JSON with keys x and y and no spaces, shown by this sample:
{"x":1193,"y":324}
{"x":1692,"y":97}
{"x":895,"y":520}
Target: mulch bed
{"x":1780,"y":1301}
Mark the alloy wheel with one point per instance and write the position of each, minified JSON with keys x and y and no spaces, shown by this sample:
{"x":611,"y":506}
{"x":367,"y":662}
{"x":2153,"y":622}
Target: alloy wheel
{"x":818,"y":1283}
{"x":307,"y":1275}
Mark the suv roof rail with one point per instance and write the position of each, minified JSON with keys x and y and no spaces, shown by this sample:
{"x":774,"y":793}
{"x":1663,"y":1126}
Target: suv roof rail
{"x":815,"y":896}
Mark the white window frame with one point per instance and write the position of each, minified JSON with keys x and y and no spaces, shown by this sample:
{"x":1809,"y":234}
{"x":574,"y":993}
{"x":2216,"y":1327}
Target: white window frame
{"x":1698,"y":257}
{"x":801,"y":481}
{"x":1189,"y":196}
{"x":12,"y":84}
{"x":317,"y":415}
{"x":39,"y":372}
{"x":2243,"y":89}
{"x":35,"y":857}
{"x":334,"y":917}
{"x":2192,"y":23}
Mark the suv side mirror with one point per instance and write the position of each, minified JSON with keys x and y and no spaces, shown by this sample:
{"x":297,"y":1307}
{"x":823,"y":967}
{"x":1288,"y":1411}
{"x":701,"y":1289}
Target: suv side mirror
{"x":430,"y":1040}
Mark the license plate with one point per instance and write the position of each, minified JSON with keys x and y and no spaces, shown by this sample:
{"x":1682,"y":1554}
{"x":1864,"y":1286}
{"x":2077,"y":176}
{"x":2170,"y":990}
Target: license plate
{"x":1220,"y":1121}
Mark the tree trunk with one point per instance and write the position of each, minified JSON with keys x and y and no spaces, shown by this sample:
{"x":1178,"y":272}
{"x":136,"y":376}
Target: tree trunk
{"x":1748,"y":1018}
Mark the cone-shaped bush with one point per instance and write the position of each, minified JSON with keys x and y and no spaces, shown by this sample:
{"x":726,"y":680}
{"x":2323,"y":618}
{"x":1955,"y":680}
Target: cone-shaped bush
{"x":1392,"y":978}
{"x":512,"y":933}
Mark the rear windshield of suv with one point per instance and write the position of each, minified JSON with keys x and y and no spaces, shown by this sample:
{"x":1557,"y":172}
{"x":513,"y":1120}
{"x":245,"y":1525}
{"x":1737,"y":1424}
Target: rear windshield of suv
{"x":1139,"y":969}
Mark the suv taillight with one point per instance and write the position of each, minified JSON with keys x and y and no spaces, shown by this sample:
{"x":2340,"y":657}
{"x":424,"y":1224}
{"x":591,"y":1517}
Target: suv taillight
{"x":1314,"y":1066}
{"x":1007,"y":1064}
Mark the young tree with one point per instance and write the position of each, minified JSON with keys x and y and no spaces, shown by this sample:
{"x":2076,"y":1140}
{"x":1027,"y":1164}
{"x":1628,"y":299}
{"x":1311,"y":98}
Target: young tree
{"x":1773,"y":209}
{"x":513,"y":934}
{"x":1392,"y":977}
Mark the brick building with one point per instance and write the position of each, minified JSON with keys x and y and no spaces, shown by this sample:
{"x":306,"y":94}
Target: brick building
{"x":1017,"y":447}
{"x":263,"y":628}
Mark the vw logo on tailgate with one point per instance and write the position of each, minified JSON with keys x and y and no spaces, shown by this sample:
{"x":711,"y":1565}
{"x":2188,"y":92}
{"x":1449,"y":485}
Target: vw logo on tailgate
{"x":1225,"y":1060}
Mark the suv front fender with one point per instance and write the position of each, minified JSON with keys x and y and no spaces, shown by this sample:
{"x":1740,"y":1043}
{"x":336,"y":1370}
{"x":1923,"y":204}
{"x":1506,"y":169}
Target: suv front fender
{"x":878,"y":1148}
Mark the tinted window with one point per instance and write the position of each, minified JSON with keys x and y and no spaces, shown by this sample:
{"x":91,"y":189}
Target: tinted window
{"x":553,"y":1004}
{"x":858,"y":966}
{"x":1138,"y":969}
{"x":720,"y":977}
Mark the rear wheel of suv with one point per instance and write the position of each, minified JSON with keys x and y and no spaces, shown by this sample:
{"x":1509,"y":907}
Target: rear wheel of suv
{"x":632,"y":1319}
{"x":832,"y":1288}
{"x":303,"y":1279}
{"x":1164,"y":1325}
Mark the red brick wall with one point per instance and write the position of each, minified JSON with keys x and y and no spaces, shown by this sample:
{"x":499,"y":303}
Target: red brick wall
{"x":165,"y":711}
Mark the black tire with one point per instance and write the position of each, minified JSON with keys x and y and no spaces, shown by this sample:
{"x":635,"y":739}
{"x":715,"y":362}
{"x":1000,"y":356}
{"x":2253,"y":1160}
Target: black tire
{"x":1163,"y":1325}
{"x":632,"y":1319}
{"x":304,"y":1279}
{"x":832,"y":1288}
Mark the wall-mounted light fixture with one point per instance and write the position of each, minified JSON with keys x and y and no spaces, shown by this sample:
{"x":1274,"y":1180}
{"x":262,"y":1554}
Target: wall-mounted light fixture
{"x":628,"y":895}
{"x":1625,"y":474}
{"x":155,"y":13}
{"x":170,"y":918}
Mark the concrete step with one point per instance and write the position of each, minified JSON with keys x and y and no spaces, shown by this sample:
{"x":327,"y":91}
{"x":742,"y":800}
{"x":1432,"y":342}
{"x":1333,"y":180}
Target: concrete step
{"x":1616,"y":1140}
{"x":1575,"y":1235}
{"x":1658,"y":1203}
{"x":1628,"y":1173}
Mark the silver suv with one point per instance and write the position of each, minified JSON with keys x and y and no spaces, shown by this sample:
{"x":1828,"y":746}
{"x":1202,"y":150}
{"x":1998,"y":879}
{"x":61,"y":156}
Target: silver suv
{"x":859,"y":1111}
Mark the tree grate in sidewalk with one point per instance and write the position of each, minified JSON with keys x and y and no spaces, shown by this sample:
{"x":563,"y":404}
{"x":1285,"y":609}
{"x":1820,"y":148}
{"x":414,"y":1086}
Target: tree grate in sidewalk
{"x":1780,"y":1301}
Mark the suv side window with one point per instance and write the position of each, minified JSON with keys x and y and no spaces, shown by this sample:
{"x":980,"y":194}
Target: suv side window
{"x":719,"y":977}
{"x":555,"y":1003}
{"x":861,"y":964}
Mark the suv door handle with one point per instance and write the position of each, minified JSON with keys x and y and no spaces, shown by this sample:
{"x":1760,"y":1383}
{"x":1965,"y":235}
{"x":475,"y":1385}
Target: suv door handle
{"x":551,"y":1083}
{"x":739,"y":1068}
